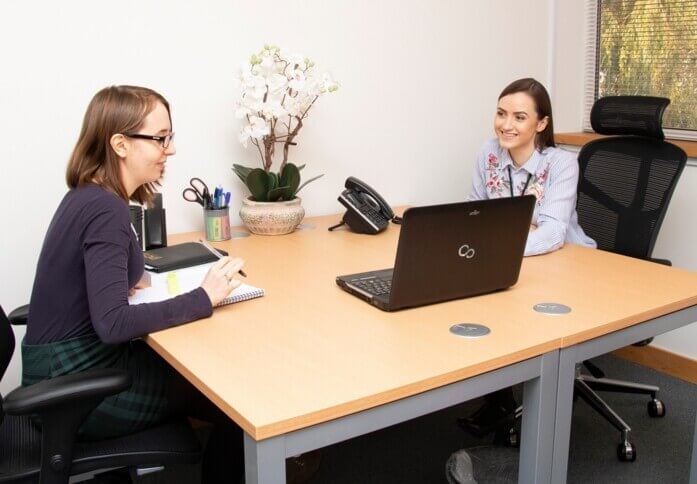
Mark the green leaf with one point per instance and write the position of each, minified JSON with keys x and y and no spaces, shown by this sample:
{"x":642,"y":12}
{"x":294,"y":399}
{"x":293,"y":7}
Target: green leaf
{"x":290,"y":177}
{"x":241,"y":171}
{"x":273,"y":180}
{"x":281,"y":193}
{"x":258,"y":184}
{"x":308,"y":181}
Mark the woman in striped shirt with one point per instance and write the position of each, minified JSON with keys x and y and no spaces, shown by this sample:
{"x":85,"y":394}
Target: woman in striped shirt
{"x":522,"y":159}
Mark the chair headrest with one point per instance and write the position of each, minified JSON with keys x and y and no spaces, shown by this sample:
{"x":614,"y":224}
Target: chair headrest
{"x":629,"y":115}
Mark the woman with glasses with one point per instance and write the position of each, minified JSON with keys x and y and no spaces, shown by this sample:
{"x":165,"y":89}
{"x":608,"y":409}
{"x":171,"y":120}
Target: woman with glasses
{"x":91,"y":261}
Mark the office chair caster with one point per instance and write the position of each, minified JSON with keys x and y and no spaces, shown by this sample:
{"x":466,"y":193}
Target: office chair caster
{"x":656,"y":408}
{"x":508,"y":434}
{"x":626,"y":452}
{"x":513,"y":438}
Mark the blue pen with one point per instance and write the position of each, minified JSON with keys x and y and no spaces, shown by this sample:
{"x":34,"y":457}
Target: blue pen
{"x":216,"y":198}
{"x":227,"y":199}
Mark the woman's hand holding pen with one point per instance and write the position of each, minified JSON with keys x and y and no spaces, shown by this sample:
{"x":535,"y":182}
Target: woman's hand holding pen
{"x":221,"y":279}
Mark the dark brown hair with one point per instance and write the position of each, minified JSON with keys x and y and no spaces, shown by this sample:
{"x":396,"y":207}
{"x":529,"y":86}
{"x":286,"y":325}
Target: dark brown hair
{"x":113,"y":110}
{"x":543,"y":106}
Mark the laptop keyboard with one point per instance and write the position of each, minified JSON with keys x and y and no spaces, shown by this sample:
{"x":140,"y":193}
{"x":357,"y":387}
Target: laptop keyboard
{"x":374,"y":286}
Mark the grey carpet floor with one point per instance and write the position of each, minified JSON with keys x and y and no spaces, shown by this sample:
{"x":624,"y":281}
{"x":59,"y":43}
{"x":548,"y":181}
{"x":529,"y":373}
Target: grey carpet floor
{"x":415,"y":451}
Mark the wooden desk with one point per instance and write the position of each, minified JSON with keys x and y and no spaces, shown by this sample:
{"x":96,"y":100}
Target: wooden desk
{"x":615,"y":301}
{"x":309,"y":365}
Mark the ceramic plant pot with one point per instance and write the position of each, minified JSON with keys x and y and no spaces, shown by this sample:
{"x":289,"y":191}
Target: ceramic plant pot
{"x":272,"y":218}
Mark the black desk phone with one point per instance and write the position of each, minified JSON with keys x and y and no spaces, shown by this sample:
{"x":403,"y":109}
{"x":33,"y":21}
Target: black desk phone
{"x":366,"y":211}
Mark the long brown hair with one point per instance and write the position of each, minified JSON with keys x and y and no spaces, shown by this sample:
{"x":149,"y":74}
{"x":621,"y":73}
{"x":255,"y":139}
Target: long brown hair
{"x":113,"y":110}
{"x":543,"y":106}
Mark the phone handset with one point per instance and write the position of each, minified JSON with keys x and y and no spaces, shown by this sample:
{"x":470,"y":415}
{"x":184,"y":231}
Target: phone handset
{"x":366,"y":211}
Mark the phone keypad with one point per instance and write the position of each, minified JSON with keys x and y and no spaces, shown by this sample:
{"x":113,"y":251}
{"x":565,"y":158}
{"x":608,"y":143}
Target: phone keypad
{"x":374,"y":215}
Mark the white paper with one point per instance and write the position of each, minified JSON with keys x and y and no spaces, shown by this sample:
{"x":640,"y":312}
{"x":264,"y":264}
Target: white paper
{"x":166,"y":285}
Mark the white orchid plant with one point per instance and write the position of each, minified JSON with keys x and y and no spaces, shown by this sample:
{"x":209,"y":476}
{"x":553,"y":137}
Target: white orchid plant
{"x":277,"y":91}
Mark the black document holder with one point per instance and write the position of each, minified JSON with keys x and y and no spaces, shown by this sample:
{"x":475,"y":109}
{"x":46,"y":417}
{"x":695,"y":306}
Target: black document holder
{"x":178,"y":256}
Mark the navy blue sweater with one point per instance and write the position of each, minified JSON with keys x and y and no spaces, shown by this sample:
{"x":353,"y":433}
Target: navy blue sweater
{"x":89,"y":260}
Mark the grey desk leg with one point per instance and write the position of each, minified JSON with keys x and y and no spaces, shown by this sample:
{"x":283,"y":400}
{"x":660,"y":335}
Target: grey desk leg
{"x":537,"y":432}
{"x":564,"y":408}
{"x":264,"y":461}
{"x":693,"y":466}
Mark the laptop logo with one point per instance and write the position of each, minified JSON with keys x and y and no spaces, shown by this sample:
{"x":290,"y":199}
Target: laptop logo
{"x":466,"y":251}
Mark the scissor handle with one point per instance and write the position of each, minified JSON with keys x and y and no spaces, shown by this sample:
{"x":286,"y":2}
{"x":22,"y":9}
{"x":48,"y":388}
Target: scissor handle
{"x":199,"y":186}
{"x":191,"y":195}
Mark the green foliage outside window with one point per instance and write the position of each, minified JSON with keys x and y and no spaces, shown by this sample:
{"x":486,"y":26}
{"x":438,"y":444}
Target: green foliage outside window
{"x":649,"y":47}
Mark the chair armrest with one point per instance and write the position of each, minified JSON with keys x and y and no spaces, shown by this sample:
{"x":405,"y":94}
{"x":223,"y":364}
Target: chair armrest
{"x":48,"y":395}
{"x":19,"y":315}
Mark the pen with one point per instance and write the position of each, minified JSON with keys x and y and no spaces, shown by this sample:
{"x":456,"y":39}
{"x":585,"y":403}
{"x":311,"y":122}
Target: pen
{"x":212,"y":250}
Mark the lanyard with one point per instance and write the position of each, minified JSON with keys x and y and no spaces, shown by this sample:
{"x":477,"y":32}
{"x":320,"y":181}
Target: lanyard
{"x":510,"y":182}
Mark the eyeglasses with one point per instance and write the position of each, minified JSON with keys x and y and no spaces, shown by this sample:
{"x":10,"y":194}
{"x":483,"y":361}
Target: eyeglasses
{"x":163,"y":140}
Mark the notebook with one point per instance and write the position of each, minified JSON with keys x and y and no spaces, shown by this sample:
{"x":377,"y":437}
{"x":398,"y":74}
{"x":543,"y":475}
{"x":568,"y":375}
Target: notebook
{"x":166,"y":285}
{"x":178,"y":256}
{"x":449,"y":252}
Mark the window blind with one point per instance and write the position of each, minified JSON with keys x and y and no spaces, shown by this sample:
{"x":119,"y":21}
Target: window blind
{"x":644,"y":47}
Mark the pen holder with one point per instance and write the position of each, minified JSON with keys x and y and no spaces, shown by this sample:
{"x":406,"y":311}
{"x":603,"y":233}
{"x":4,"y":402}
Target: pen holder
{"x":216,"y":223}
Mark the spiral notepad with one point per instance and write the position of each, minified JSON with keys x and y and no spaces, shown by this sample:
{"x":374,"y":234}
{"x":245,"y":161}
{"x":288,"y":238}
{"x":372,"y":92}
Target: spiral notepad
{"x":166,"y":285}
{"x":242,"y":293}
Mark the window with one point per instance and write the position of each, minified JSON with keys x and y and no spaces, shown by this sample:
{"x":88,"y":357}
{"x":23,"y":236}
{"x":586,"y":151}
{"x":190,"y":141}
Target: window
{"x":645,"y":47}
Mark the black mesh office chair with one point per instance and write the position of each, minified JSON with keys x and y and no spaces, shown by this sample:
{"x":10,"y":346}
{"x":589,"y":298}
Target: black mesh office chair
{"x":51,"y":455}
{"x":625,"y":186}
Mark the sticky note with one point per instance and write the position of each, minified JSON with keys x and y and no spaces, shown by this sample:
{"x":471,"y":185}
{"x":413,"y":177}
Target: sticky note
{"x":173,"y":284}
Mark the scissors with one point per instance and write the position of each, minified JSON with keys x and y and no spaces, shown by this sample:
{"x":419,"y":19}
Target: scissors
{"x":197,"y":193}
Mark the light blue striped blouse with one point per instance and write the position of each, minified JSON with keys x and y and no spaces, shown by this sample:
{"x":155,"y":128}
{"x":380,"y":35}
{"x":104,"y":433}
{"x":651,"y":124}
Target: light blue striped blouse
{"x":554,"y":182}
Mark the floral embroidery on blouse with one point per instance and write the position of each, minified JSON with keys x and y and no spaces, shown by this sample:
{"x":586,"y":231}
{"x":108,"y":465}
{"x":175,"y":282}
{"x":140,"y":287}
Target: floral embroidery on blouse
{"x":537,"y":187}
{"x":494,"y":182}
{"x":499,"y":186}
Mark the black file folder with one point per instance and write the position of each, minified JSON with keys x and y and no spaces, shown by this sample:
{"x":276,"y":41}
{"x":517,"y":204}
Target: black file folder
{"x":178,"y":256}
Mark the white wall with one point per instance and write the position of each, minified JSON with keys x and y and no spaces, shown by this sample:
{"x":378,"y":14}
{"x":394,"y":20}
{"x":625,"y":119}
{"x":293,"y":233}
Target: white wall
{"x":678,"y":237}
{"x":419,"y":80}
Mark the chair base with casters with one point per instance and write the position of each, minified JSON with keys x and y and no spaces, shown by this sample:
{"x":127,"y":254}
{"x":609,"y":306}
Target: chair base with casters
{"x":50,"y":453}
{"x":585,"y":387}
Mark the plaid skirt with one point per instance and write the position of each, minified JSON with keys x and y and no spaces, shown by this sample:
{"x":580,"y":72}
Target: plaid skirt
{"x":142,"y":405}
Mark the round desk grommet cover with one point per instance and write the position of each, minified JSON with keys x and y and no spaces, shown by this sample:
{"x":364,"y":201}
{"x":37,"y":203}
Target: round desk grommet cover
{"x":469,"y":330}
{"x":239,"y":235}
{"x":552,"y":308}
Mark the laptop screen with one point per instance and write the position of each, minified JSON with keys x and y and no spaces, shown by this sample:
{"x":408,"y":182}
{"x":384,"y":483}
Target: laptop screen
{"x":462,"y":249}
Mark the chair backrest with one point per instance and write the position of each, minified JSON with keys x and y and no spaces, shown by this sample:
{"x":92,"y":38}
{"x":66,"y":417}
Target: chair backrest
{"x":7,"y":347}
{"x":627,"y":181}
{"x":7,"y":342}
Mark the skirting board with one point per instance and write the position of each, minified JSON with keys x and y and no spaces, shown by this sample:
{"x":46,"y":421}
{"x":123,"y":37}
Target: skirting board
{"x":661,"y":360}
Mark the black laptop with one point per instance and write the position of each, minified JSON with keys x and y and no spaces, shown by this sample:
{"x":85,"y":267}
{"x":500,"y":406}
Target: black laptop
{"x":448,"y":252}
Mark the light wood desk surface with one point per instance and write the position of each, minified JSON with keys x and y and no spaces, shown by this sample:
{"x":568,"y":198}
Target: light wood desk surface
{"x":607,"y":292}
{"x":309,"y":352}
